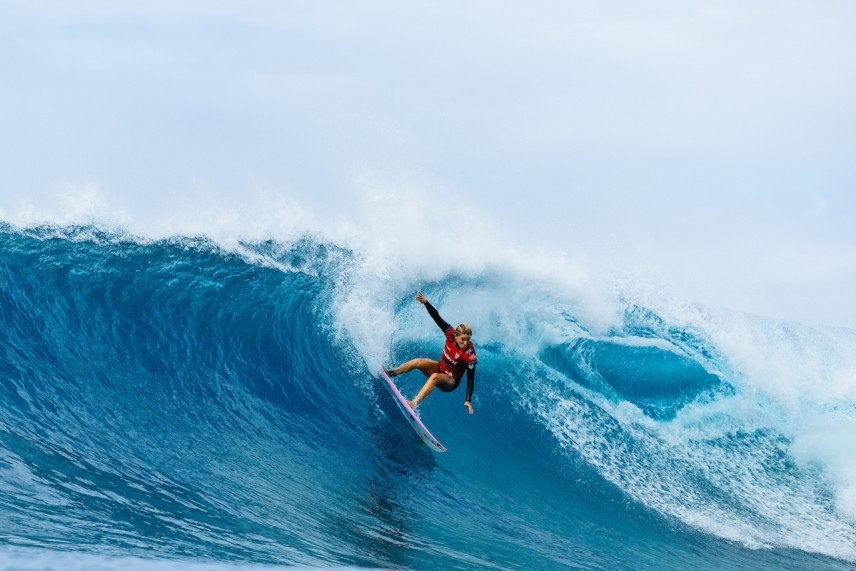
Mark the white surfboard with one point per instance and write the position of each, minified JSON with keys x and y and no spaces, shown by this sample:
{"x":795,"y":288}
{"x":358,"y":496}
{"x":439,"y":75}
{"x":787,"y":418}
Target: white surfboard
{"x":414,"y":421}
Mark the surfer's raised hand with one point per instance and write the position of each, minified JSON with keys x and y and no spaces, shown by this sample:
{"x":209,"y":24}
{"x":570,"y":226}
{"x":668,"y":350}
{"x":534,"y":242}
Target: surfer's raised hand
{"x":420,"y":298}
{"x":469,"y":406}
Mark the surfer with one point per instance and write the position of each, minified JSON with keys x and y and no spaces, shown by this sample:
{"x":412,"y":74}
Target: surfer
{"x":459,"y":355}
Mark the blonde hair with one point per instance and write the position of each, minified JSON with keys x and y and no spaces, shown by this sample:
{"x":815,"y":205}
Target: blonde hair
{"x":463,"y":329}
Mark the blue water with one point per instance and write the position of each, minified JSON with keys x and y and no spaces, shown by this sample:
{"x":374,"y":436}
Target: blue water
{"x":204,"y":405}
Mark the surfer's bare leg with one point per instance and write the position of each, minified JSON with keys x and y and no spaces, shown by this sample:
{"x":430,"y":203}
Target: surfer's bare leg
{"x":433,"y":381}
{"x":427,"y":366}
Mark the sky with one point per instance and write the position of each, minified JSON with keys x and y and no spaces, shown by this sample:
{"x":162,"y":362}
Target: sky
{"x":703,"y":147}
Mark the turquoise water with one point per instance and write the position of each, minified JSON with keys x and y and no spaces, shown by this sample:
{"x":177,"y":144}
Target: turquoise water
{"x":186,"y":404}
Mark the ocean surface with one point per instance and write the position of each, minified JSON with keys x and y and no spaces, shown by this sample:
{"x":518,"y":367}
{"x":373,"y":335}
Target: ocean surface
{"x":187,"y":404}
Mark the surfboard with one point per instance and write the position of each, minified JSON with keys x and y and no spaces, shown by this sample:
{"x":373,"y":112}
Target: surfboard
{"x":409,"y":415}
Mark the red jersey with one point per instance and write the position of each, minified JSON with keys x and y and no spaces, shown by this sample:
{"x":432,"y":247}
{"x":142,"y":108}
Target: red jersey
{"x":456,"y":360}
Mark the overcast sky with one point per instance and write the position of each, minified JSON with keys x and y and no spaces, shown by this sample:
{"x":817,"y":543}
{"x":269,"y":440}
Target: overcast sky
{"x":709,"y":144}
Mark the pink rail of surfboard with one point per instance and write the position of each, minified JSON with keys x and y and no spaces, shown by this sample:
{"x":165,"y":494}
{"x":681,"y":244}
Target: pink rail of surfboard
{"x":414,"y":421}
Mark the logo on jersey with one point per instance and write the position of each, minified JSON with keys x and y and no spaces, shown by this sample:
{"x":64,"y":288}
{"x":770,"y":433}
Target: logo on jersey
{"x":453,"y":359}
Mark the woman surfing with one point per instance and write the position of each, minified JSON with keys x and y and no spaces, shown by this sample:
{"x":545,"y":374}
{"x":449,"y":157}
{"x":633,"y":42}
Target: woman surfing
{"x":459,"y":355}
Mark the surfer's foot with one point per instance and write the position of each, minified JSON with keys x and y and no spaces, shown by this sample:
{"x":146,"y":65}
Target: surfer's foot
{"x":412,"y":404}
{"x":390,"y":372}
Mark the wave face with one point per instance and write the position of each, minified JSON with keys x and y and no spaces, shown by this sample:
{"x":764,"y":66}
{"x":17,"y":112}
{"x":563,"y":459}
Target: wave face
{"x":184,"y":401}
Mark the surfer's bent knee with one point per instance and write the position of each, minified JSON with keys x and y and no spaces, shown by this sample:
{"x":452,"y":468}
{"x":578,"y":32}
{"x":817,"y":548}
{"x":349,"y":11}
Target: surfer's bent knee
{"x":443,"y":381}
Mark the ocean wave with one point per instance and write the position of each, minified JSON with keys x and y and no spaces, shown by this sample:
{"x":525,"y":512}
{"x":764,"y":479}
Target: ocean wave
{"x":188,"y":398}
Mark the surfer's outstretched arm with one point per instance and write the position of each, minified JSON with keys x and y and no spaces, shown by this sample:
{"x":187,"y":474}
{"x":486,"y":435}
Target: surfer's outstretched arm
{"x":435,"y":315}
